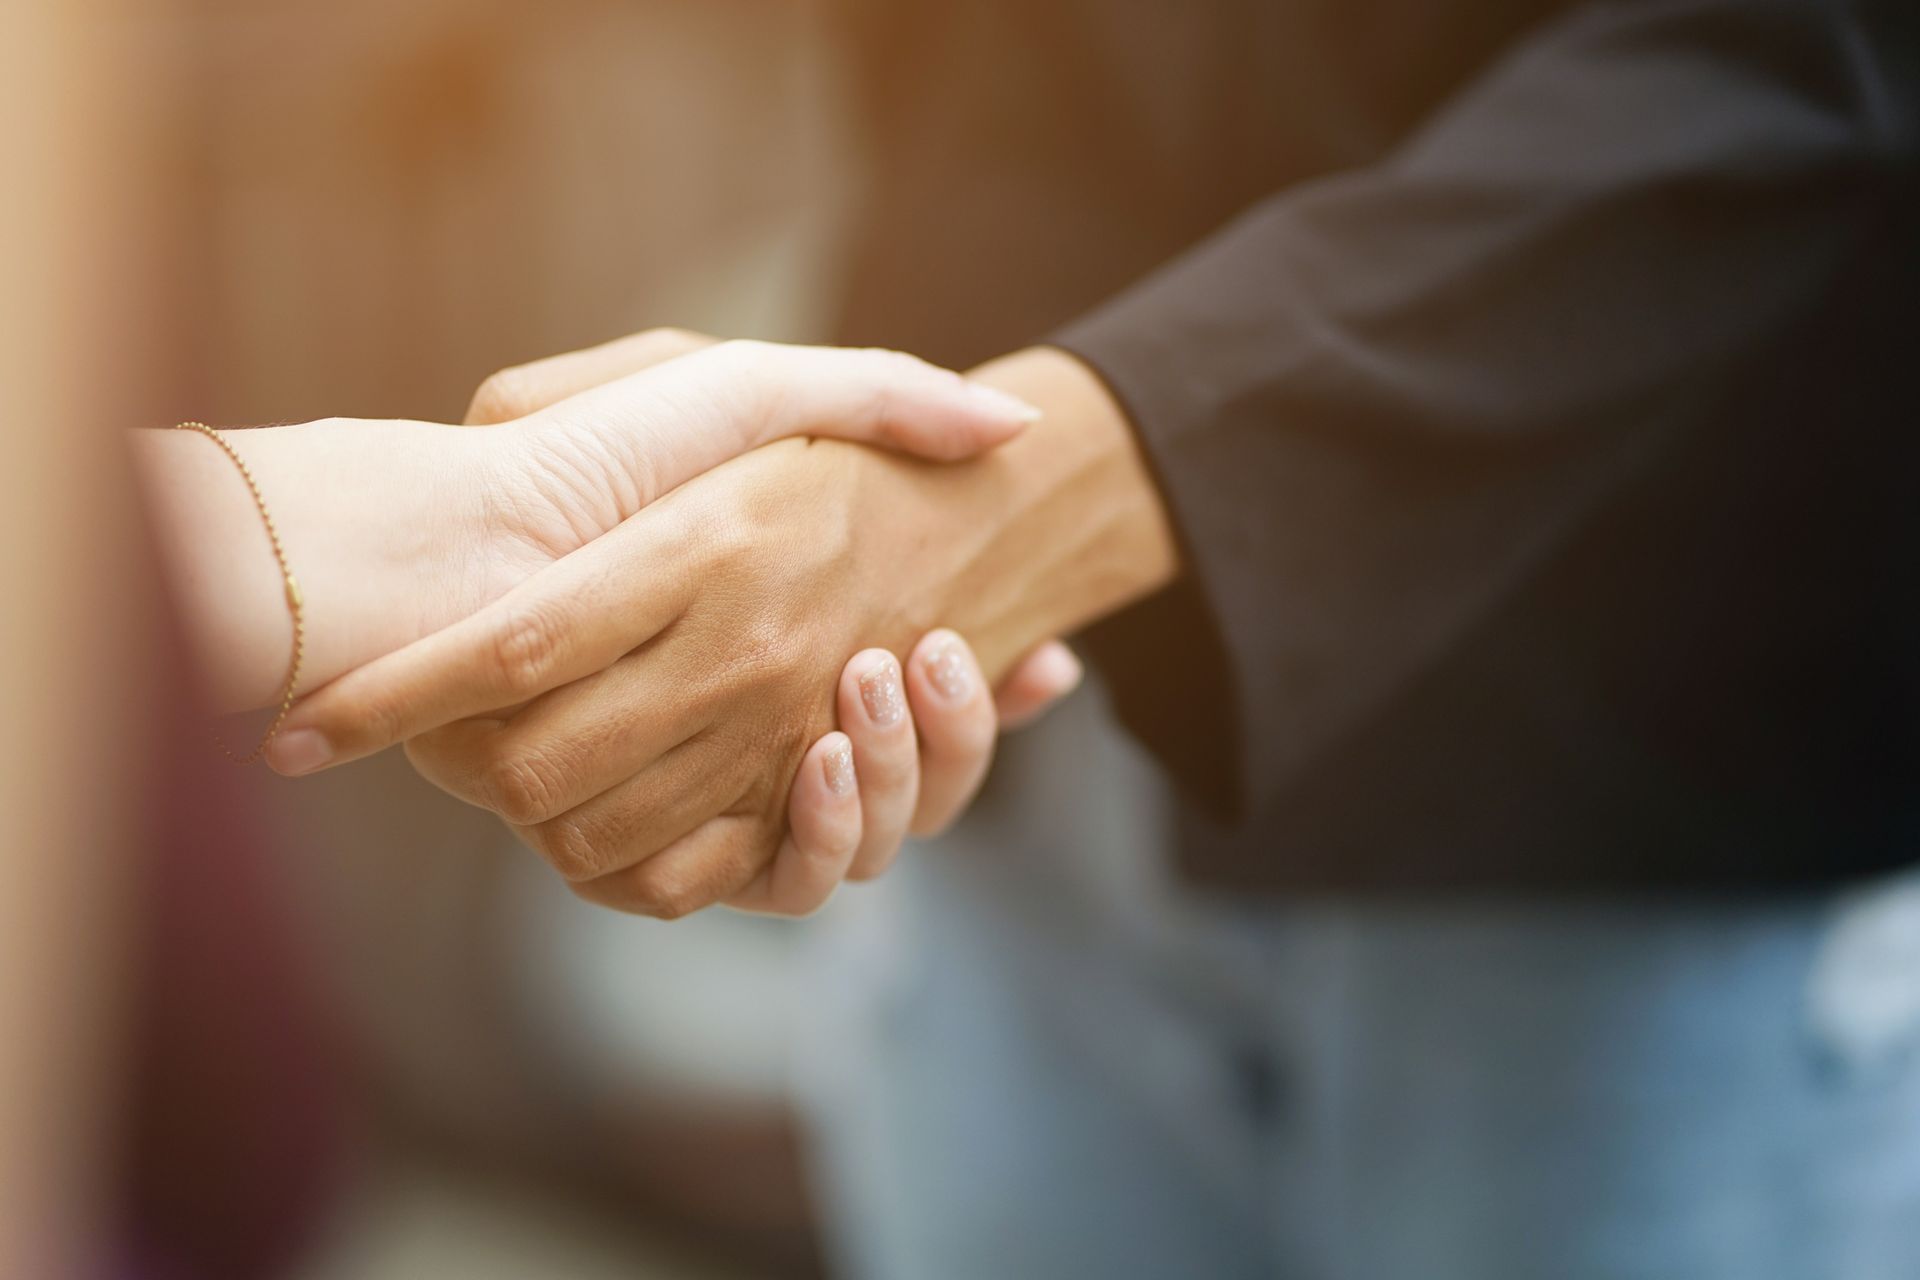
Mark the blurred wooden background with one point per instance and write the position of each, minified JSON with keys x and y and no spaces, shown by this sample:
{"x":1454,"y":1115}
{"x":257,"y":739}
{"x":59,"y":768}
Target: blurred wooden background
{"x":394,"y":199}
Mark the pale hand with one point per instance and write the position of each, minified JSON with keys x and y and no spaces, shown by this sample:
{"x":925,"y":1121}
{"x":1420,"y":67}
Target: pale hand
{"x":396,"y":529}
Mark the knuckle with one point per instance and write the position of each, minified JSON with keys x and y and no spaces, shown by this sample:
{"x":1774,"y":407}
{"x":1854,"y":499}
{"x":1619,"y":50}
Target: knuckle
{"x":904,"y":364}
{"x":663,"y":893}
{"x":524,"y":788}
{"x":526,"y":648}
{"x":745,"y":350}
{"x":504,"y":395}
{"x":752,"y":361}
{"x":570,"y":848}
{"x":737,"y":361}
{"x":668,"y":340}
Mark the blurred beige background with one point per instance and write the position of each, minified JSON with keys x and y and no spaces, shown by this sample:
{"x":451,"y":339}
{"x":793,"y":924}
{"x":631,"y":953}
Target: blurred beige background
{"x":387,"y":202}
{"x":400,"y":198}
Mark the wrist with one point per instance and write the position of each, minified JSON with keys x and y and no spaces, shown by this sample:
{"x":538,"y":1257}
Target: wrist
{"x":388,"y":525}
{"x":1069,"y":526}
{"x":385,"y":524}
{"x":1024,"y":544}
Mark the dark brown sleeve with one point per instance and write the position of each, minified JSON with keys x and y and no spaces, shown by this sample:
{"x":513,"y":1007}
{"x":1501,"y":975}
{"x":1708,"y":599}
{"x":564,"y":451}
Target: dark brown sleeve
{"x":1379,"y":402}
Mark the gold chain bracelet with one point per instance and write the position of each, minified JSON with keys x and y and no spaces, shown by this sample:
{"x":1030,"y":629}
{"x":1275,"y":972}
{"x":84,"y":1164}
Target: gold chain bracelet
{"x":294,"y":599}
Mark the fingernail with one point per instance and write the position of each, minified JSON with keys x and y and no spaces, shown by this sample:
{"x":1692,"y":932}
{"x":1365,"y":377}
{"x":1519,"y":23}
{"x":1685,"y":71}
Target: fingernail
{"x":1004,"y":403}
{"x":947,"y":669}
{"x":838,"y":766}
{"x":880,"y":691}
{"x":298,"y":752}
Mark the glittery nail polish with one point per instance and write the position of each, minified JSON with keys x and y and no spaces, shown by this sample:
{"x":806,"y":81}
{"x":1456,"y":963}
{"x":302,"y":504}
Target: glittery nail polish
{"x":947,"y":670}
{"x":837,"y":764}
{"x":880,"y":693}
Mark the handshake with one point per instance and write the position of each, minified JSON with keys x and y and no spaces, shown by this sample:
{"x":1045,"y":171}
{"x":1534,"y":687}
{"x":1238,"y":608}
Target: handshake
{"x":687,"y":615}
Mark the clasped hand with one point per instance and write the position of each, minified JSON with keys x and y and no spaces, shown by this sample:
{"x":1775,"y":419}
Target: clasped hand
{"x":655,"y":710}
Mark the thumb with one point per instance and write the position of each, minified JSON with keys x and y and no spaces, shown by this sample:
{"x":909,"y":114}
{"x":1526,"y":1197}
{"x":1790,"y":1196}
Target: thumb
{"x":524,"y":388}
{"x":878,"y":397}
{"x":682,"y":418}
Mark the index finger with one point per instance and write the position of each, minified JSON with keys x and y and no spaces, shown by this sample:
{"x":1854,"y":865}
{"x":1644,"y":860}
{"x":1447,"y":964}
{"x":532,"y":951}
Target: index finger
{"x":566,"y":622}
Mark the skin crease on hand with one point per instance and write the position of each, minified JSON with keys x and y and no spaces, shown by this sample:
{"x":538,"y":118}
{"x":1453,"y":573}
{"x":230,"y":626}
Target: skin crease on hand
{"x":658,"y":782}
{"x":396,"y":529}
{"x":917,"y":775}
